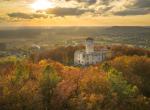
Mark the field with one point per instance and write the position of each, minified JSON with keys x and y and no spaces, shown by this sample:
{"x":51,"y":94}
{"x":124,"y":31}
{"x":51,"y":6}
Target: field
{"x":49,"y":37}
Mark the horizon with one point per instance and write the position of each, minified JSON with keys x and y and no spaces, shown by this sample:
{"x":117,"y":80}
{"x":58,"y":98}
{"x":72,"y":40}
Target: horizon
{"x":65,"y":26}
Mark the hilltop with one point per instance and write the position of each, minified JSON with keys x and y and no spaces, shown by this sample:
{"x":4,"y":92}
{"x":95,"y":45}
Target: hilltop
{"x":51,"y":83}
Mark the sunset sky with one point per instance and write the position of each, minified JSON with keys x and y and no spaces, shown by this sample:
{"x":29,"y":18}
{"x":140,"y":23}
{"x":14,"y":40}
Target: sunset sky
{"x":74,"y":12}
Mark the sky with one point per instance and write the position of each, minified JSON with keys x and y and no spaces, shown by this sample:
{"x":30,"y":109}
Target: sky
{"x":74,"y":13}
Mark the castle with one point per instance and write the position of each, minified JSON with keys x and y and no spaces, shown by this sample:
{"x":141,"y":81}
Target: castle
{"x":89,"y":56}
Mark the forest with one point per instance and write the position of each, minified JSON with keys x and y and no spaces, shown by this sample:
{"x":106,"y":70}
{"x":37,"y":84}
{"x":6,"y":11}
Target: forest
{"x":49,"y":81}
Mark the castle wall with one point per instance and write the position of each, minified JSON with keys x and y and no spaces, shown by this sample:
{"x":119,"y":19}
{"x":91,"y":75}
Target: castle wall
{"x":89,"y":56}
{"x":83,"y":58}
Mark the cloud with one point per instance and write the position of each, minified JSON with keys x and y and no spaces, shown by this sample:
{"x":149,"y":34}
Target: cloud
{"x":94,"y":7}
{"x":26,"y":16}
{"x":4,"y":19}
{"x":117,"y":7}
{"x":140,"y":7}
{"x":1,"y":19}
{"x":83,"y":1}
{"x":143,"y":3}
{"x":133,"y":11}
{"x":66,"y":11}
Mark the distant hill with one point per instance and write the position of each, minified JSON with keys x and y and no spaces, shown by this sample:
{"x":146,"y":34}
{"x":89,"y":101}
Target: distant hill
{"x":139,"y":36}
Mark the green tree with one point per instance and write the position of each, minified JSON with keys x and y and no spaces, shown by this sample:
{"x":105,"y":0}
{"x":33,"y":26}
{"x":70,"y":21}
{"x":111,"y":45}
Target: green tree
{"x":120,"y":85}
{"x":48,"y":84}
{"x":21,"y":73}
{"x":136,"y":69}
{"x":125,"y":92}
{"x":105,"y":67}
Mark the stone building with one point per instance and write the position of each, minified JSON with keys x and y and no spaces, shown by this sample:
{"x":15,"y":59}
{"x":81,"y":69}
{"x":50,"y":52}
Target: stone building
{"x":89,"y":55}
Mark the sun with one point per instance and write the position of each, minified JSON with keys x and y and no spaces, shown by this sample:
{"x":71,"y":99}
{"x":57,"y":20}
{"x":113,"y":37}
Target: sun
{"x":42,"y":5}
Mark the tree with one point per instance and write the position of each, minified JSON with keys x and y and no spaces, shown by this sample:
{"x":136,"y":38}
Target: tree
{"x":21,"y":73}
{"x":120,"y":85}
{"x":105,"y":67}
{"x":124,"y":91}
{"x":48,"y":83}
{"x":136,"y":69}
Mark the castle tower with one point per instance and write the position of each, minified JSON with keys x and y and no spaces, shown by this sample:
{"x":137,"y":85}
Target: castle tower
{"x":89,"y":45}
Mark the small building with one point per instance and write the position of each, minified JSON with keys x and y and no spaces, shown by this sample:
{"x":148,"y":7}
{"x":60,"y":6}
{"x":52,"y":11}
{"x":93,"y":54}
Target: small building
{"x":89,"y":55}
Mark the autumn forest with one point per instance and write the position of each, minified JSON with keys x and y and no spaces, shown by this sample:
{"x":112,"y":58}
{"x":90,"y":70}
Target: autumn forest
{"x":49,"y":81}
